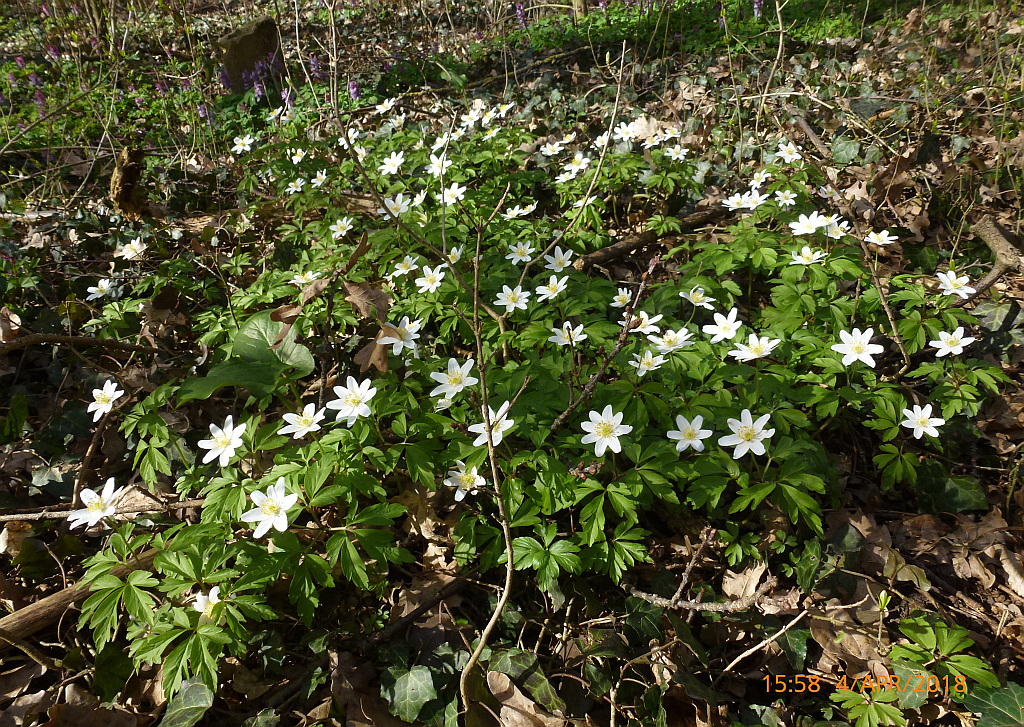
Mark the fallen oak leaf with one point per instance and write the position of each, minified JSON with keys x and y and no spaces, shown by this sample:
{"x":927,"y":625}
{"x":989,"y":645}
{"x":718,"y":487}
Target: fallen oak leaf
{"x":374,"y":353}
{"x":314,"y":289}
{"x":368,"y":302}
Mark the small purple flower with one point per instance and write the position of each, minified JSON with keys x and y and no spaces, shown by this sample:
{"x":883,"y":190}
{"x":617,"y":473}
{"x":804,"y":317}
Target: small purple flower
{"x":160,"y":88}
{"x":34,"y":80}
{"x":286,"y":97}
{"x":40,"y":100}
{"x":225,"y":79}
{"x":21,"y":63}
{"x":257,"y":89}
{"x":758,"y":5}
{"x":353,"y":90}
{"x":203,"y":113}
{"x":520,"y":15}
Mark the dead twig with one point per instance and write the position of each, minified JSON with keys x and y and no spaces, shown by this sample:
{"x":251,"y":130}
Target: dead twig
{"x":62,"y":340}
{"x":54,"y":514}
{"x":740,"y":604}
{"x":1005,"y":246}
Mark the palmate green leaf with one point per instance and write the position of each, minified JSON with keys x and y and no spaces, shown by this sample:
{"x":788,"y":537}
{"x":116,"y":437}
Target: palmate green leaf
{"x":997,"y":707}
{"x":188,"y":706}
{"x":410,"y":692}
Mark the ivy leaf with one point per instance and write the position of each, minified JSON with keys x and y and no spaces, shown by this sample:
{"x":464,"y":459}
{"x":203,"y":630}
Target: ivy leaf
{"x":844,"y":150}
{"x":189,"y":705}
{"x":1002,"y":707}
{"x":410,"y":692}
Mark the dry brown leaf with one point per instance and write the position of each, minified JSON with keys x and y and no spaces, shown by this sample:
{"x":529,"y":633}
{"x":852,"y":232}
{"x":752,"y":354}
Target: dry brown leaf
{"x":1013,"y":565}
{"x":361,"y":249}
{"x":13,"y":535}
{"x":10,"y":324}
{"x":368,"y":302}
{"x":516,"y":709}
{"x":314,"y":289}
{"x":374,"y":354}
{"x":743,"y":585}
{"x":286,"y":314}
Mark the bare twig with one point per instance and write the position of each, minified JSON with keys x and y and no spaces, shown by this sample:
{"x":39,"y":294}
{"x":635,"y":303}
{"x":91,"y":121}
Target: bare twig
{"x":758,"y":647}
{"x":1003,"y":245}
{"x":62,"y":340}
{"x":588,"y":389}
{"x":740,"y":604}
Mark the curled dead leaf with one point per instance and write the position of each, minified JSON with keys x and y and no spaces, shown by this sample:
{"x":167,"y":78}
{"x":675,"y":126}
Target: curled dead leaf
{"x":314,"y":289}
{"x":743,"y":585}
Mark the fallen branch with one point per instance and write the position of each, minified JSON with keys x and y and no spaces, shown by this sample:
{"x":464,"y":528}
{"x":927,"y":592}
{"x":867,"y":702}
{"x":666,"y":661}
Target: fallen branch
{"x":37,"y":616}
{"x":53,"y":514}
{"x":62,"y":340}
{"x":740,"y":604}
{"x":1004,"y":245}
{"x":616,"y":250}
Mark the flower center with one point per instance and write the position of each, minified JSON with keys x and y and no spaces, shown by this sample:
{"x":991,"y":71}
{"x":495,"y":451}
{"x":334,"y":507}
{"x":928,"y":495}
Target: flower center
{"x":95,"y":506}
{"x":746,"y":433}
{"x":223,"y":441}
{"x":857,"y":347}
{"x":103,"y":398}
{"x":689,"y":433}
{"x":305,"y":421}
{"x":513,"y":297}
{"x":455,"y":379}
{"x":353,"y":399}
{"x":952,"y":341}
{"x":756,"y":350}
{"x":603,"y":429}
{"x":922,"y":421}
{"x":270,"y":507}
{"x":466,"y":480}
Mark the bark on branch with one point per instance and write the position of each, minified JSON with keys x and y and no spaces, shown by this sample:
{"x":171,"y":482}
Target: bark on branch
{"x":1005,"y":246}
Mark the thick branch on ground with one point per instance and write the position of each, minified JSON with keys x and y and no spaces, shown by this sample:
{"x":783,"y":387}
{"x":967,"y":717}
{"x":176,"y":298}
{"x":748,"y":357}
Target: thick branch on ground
{"x":1004,"y":245}
{"x":33,"y":618}
{"x":810,"y":133}
{"x":62,"y":340}
{"x":632,"y":242}
{"x":740,"y":604}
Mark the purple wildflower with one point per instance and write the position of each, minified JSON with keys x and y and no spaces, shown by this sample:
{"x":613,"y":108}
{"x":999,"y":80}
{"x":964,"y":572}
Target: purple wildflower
{"x":353,"y":90}
{"x":520,"y":15}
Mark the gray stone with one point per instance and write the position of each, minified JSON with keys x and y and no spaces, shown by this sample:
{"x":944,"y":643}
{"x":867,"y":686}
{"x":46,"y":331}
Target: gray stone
{"x":246,"y":47}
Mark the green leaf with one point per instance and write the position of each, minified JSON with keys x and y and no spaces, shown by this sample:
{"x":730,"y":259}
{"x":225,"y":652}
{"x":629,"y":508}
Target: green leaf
{"x":410,"y":692}
{"x":254,"y":339}
{"x":910,"y":675}
{"x":113,"y":669}
{"x":844,"y":150}
{"x":1002,"y":707}
{"x":938,"y":492}
{"x":258,"y":378}
{"x":189,"y":705}
{"x":522,"y":667}
{"x":265,"y":718}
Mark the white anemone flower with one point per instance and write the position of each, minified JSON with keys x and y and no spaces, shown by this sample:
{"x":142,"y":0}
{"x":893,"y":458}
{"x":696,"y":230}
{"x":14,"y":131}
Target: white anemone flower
{"x":466,"y":481}
{"x":856,"y":346}
{"x":724,"y":328}
{"x":103,"y":399}
{"x":500,"y":423}
{"x":299,"y":425}
{"x":406,"y":338}
{"x":920,"y":419}
{"x":352,"y":402}
{"x":454,"y":380}
{"x":604,"y":429}
{"x":952,"y":343}
{"x":747,"y":435}
{"x":97,"y":506}
{"x":271,"y":509}
{"x":223,"y":442}
{"x":688,"y":434}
